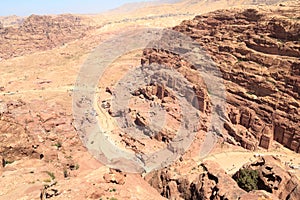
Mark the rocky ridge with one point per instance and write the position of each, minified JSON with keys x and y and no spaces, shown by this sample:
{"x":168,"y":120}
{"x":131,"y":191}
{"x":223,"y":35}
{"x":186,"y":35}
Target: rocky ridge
{"x":47,"y":140}
{"x":12,"y":20}
{"x":39,"y":33}
{"x":40,"y":133}
{"x":212,"y":182}
{"x":275,"y":178}
{"x":257,"y":52}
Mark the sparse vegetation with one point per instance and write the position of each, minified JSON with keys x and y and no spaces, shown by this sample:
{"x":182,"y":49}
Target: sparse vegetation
{"x":39,"y":136}
{"x":247,"y":179}
{"x":58,"y":145}
{"x":113,"y":190}
{"x":51,"y":174}
{"x":249,"y":93}
{"x":48,"y":180}
{"x":239,"y":60}
{"x":7,"y":162}
{"x":65,"y":173}
{"x":77,"y":166}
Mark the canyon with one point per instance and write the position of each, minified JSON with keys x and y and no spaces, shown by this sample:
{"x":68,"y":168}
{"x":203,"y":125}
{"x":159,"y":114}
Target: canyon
{"x":247,"y":50}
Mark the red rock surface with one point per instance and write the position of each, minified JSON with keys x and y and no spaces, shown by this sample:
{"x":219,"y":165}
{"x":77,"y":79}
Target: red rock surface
{"x":274,"y":178}
{"x":212,"y":182}
{"x":35,"y":130}
{"x":38,"y":33}
{"x":258,"y":53}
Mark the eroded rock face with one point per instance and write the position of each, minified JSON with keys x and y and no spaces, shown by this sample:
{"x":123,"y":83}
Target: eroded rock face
{"x":262,"y":87}
{"x":35,"y":130}
{"x":115,"y":176}
{"x":275,"y":178}
{"x":258,"y":53}
{"x":12,"y":20}
{"x":38,"y":33}
{"x":212,"y":183}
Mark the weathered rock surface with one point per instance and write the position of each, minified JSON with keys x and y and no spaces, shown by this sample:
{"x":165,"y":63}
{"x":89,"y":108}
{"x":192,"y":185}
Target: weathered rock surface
{"x":12,"y":20}
{"x":275,"y":178}
{"x":35,"y":130}
{"x":212,"y":183}
{"x":38,"y":33}
{"x":115,"y":176}
{"x":257,"y":52}
{"x":38,"y":136}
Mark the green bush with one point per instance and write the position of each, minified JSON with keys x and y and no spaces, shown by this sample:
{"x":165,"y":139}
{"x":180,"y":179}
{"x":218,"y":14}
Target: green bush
{"x":247,"y":179}
{"x":51,"y":174}
{"x":58,"y":145}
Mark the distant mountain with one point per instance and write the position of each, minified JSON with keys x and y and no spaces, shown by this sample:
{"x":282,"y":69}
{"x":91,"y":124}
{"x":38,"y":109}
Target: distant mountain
{"x":12,"y":20}
{"x":185,"y":5}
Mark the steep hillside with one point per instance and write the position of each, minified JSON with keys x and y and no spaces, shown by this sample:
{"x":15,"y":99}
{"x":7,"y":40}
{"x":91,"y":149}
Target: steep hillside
{"x":256,"y":49}
{"x":11,"y":20}
{"x":21,"y":36}
{"x":39,"y":33}
{"x":258,"y":54}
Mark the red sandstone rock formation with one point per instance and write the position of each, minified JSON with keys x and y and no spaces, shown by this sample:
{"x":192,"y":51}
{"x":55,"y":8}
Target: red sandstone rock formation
{"x":34,"y":131}
{"x":214,"y":183}
{"x":274,"y":178}
{"x":38,"y":33}
{"x":258,"y":53}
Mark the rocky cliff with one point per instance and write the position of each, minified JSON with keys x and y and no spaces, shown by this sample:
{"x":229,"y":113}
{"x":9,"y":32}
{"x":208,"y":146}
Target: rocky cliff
{"x":29,"y":133}
{"x":212,"y":182}
{"x":257,"y":51}
{"x":37,"y":33}
{"x":12,"y":20}
{"x":275,"y":178}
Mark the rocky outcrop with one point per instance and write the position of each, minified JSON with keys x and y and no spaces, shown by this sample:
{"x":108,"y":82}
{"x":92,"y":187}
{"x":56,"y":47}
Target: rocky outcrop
{"x":34,"y":130}
{"x":257,"y":52}
{"x":196,"y":94}
{"x":275,"y":178}
{"x":248,"y":129}
{"x":38,"y":33}
{"x":115,"y":176}
{"x":11,"y":20}
{"x":212,"y":183}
